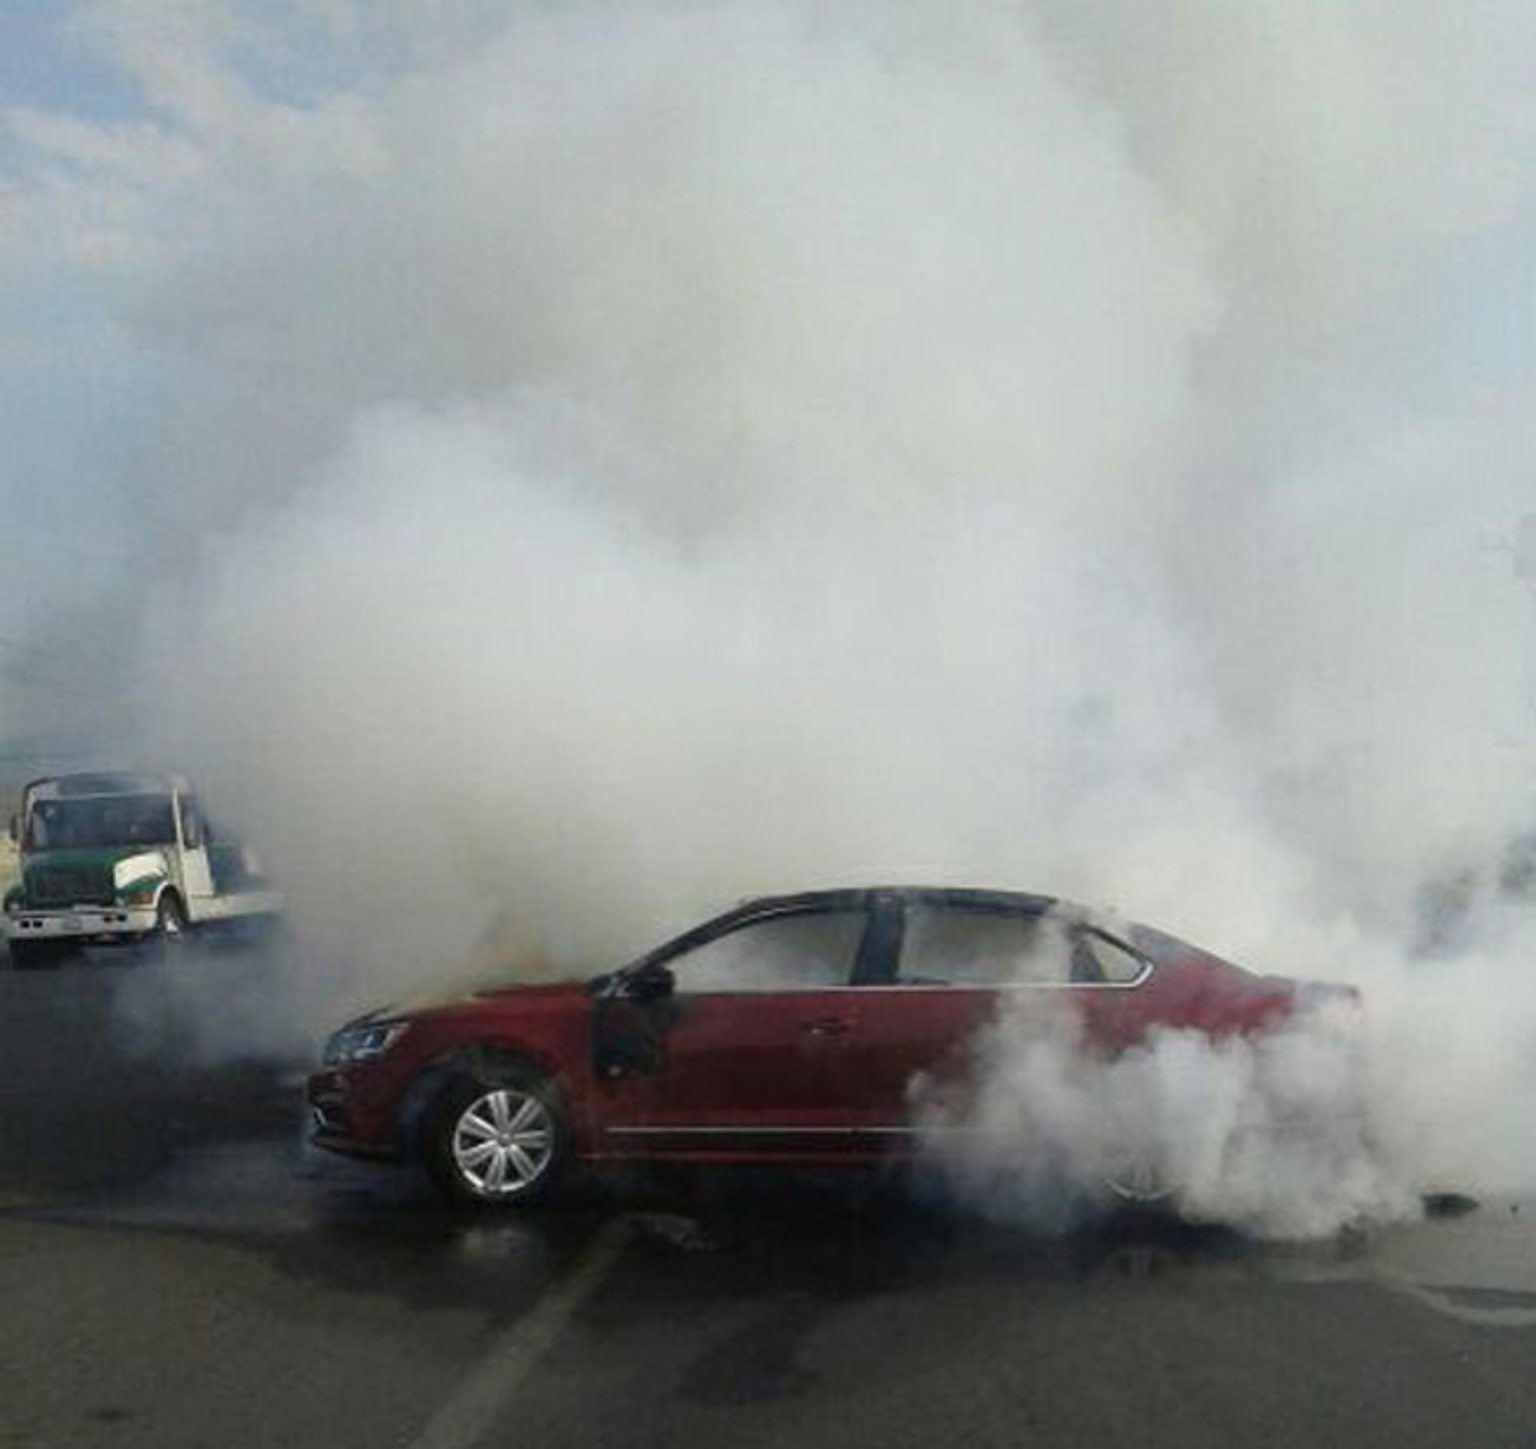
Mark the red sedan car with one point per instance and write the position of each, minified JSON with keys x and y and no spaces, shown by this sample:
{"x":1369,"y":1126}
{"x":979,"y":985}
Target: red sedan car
{"x":787,"y":1030}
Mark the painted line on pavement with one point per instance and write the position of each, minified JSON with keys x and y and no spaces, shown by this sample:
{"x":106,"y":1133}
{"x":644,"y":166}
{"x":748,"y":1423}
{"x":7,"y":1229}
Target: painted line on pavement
{"x":463,"y":1417}
{"x":1442,"y":1300}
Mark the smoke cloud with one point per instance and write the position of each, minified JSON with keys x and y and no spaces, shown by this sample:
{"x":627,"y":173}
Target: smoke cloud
{"x":579,"y":464}
{"x":1273,"y":1134}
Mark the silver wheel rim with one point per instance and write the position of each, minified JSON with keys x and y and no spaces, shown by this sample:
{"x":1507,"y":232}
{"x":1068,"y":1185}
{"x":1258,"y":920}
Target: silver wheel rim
{"x":170,"y":922}
{"x":1140,"y":1180}
{"x":503,"y":1142}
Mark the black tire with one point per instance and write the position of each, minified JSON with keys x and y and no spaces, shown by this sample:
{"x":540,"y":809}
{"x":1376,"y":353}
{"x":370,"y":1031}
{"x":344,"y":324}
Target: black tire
{"x":170,"y":922}
{"x":1140,"y":1183}
{"x":514,"y":1121}
{"x":36,"y":956}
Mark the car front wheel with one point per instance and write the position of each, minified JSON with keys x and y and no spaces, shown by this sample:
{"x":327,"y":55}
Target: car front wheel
{"x":1139,"y":1181}
{"x":501,"y":1142}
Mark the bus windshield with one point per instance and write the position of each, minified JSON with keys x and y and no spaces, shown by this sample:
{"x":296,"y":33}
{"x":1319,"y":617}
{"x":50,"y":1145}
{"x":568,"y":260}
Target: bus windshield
{"x":101,"y":820}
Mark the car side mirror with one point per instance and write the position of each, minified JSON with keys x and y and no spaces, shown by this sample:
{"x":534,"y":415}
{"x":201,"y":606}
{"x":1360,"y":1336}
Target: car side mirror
{"x":652,"y":984}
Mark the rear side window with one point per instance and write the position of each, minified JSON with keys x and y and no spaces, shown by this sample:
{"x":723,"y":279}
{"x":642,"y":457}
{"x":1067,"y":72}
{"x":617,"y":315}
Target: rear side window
{"x":955,"y":946}
{"x":808,"y":951}
{"x":1096,"y":958}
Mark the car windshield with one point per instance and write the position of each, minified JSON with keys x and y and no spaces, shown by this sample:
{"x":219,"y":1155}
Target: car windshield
{"x":103,"y":820}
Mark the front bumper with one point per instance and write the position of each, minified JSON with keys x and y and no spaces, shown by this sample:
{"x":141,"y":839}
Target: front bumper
{"x":349,"y":1118}
{"x":93,"y":923}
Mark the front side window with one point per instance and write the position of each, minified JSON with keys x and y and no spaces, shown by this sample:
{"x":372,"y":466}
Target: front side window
{"x":960,"y":946}
{"x":808,"y":951}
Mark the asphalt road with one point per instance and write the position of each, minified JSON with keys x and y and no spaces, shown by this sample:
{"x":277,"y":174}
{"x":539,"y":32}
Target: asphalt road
{"x":176,"y":1270}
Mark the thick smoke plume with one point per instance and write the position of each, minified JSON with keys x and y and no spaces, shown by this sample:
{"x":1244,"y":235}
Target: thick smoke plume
{"x":1273,"y":1133}
{"x":581,"y":463}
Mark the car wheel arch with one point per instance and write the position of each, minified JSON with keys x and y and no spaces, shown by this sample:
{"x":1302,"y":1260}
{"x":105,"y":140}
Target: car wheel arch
{"x":488,"y":1061}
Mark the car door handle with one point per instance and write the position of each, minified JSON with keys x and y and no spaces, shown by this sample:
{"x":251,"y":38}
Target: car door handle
{"x":828,"y":1026}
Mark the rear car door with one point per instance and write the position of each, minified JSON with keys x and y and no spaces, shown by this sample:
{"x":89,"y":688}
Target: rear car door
{"x":958,"y":961}
{"x":739,"y":1054}
{"x":918,"y":1016}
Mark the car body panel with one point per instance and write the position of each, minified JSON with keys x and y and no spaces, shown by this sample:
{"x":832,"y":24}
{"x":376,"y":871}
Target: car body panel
{"x":795,"y":1075}
{"x":734,"y":1068}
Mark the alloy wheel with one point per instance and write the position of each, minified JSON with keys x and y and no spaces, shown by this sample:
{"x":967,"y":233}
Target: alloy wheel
{"x":503,"y":1142}
{"x":1140,"y":1180}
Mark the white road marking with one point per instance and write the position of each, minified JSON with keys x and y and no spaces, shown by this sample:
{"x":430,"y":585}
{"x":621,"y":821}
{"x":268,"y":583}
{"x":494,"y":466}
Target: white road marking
{"x":463,"y":1417}
{"x":1440,"y":1299}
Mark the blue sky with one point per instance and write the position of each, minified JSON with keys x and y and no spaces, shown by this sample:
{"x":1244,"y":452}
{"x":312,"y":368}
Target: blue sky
{"x":42,"y":65}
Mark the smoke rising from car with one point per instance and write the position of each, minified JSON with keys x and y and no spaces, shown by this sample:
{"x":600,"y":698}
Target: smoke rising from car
{"x":579,"y":465}
{"x":1271,"y":1133}
{"x":1046,"y":1118}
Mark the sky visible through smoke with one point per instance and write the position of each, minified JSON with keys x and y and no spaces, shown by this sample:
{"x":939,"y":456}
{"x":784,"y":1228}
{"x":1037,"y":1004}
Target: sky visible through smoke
{"x":593,"y":461}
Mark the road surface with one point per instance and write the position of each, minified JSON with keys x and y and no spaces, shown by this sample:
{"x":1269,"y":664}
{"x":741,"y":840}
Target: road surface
{"x":176,"y":1270}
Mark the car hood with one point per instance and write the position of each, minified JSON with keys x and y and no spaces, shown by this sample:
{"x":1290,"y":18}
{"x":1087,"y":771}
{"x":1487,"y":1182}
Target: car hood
{"x":473,"y":1001}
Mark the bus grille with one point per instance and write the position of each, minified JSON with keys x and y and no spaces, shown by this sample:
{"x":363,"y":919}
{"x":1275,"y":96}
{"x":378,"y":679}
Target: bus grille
{"x":69,"y":886}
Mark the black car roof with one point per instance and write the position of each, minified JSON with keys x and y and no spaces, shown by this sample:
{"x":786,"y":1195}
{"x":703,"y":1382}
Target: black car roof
{"x":858,"y":895}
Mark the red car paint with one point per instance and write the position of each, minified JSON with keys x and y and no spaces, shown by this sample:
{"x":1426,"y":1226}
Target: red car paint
{"x":796,"y":1075}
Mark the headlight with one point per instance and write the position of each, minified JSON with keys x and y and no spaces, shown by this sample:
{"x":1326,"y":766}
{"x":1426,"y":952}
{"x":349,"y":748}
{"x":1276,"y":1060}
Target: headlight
{"x":145,"y":897}
{"x":363,"y":1043}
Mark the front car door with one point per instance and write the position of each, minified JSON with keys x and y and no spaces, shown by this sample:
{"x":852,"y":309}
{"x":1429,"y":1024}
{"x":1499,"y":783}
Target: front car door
{"x":738,"y":1059}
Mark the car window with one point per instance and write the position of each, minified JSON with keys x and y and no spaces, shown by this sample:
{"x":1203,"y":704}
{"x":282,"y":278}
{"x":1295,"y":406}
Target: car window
{"x":1096,"y":958}
{"x":959,"y":946}
{"x":799,"y":952}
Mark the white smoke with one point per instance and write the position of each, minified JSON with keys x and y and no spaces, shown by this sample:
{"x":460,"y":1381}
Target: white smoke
{"x":1049,"y":1113}
{"x":1274,"y":1133}
{"x":589,"y":462}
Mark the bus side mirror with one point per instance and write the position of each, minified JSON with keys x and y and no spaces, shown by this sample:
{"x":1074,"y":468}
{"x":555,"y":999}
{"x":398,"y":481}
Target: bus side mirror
{"x":15,"y":828}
